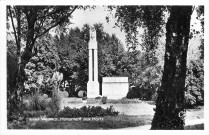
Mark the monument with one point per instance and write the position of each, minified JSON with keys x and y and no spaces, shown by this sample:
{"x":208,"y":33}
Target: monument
{"x":112,"y":87}
{"x":93,"y":84}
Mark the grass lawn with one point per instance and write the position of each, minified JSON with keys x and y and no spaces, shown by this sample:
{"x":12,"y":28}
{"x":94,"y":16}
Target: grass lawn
{"x":133,"y":113}
{"x":195,"y":127}
{"x":108,"y":122}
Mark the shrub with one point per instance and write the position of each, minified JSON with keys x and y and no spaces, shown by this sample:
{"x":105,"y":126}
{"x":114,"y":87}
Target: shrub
{"x":104,"y":100}
{"x":53,"y":106}
{"x":99,"y":97}
{"x":132,"y":94}
{"x":190,"y":100}
{"x":34,"y":113}
{"x":154,"y":96}
{"x":195,"y":82}
{"x":15,"y":116}
{"x":123,"y":101}
{"x":36,"y":102}
{"x":143,"y":92}
{"x":63,"y":94}
{"x":45,"y":96}
{"x":93,"y":101}
{"x":81,"y":93}
{"x":84,"y":98}
{"x":90,"y":111}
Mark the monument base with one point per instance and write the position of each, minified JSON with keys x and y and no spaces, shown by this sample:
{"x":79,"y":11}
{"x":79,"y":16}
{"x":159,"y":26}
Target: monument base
{"x":92,"y":89}
{"x":115,"y":87}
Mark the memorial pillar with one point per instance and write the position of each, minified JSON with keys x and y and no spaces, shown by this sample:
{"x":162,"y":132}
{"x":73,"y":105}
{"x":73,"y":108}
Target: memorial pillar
{"x":90,"y":65}
{"x":93,"y":84}
{"x":96,"y":65}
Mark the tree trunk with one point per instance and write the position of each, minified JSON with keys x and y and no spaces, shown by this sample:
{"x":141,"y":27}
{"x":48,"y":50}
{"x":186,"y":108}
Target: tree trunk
{"x":170,"y":110}
{"x":14,"y":96}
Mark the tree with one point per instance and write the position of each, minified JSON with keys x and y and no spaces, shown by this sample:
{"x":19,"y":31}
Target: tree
{"x":73,"y":52}
{"x":195,"y":83}
{"x":170,"y":101}
{"x":30,"y":23}
{"x":11,"y":68}
{"x":200,"y":13}
{"x":195,"y":64}
{"x":43,"y":64}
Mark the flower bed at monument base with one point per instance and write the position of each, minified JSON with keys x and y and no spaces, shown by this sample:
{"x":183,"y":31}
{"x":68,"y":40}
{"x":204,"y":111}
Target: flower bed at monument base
{"x":90,"y":111}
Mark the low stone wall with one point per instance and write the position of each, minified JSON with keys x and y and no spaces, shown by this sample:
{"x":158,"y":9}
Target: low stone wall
{"x":115,"y":87}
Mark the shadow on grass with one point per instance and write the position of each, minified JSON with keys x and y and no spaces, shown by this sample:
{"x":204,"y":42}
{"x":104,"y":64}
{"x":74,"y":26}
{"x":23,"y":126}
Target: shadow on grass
{"x":195,"y":127}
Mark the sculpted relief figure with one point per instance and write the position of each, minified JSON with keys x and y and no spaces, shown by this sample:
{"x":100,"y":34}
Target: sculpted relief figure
{"x":92,"y":34}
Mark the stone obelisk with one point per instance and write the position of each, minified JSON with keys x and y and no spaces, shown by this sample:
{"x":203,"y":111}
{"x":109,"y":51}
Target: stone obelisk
{"x":93,"y":84}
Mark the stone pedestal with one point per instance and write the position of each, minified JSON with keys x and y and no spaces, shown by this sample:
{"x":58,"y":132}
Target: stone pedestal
{"x":115,"y":87}
{"x":93,"y":84}
{"x":92,"y":89}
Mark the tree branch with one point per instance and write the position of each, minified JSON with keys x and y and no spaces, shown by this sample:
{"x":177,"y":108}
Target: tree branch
{"x":10,"y":12}
{"x":56,"y":24}
{"x":18,"y":27}
{"x":41,"y":17}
